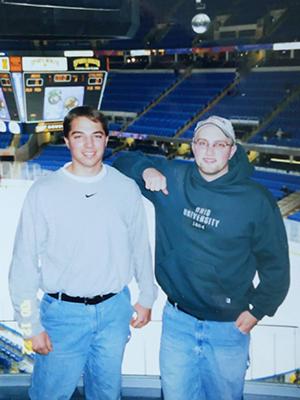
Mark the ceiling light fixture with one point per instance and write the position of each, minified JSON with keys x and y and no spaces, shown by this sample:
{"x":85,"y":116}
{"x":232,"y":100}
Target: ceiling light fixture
{"x":201,"y":21}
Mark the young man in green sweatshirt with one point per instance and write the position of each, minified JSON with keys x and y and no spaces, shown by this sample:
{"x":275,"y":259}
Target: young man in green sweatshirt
{"x":216,"y":228}
{"x":81,"y":238}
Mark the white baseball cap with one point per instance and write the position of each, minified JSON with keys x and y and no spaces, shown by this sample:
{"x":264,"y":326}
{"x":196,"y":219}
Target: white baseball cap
{"x":222,"y":123}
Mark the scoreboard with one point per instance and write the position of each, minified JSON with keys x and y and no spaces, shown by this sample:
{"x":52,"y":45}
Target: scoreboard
{"x":49,"y":96}
{"x":8,"y":105}
{"x":36,"y":92}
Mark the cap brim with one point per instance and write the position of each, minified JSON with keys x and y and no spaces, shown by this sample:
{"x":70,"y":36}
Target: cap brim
{"x":218,"y":126}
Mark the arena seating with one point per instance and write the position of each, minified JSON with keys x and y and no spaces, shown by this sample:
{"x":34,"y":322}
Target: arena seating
{"x":132,"y":92}
{"x":53,"y":157}
{"x":284,"y":130}
{"x":24,"y":138}
{"x":5,"y":139}
{"x":253,"y":98}
{"x":256,"y":95}
{"x":259,"y":92}
{"x":295,"y":216}
{"x":188,"y":98}
{"x":113,"y":126}
{"x":279,"y":184}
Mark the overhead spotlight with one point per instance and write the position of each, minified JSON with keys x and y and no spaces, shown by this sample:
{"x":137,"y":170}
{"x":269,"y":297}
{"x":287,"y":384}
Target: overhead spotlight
{"x":200,"y":23}
{"x":14,"y":128}
{"x":200,"y":5}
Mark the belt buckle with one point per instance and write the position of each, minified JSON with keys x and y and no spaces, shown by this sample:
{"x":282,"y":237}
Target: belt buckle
{"x":92,"y":300}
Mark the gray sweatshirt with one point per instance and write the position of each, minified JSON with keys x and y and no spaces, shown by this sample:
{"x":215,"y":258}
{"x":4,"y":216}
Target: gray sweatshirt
{"x":83,"y":236}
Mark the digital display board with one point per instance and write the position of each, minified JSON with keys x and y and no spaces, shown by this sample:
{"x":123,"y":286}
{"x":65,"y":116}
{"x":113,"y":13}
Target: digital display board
{"x":50,"y":96}
{"x":8,"y":105}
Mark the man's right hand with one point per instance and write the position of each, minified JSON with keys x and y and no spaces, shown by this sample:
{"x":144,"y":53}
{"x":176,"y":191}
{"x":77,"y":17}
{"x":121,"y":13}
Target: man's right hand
{"x":155,"y":181}
{"x":41,"y":343}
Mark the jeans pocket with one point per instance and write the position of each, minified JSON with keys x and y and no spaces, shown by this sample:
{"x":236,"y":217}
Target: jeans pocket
{"x":127,"y":295}
{"x":170,"y":311}
{"x":47,"y":304}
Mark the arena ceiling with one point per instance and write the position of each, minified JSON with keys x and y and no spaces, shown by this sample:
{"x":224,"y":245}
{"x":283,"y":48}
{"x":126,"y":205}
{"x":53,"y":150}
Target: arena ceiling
{"x":84,"y":23}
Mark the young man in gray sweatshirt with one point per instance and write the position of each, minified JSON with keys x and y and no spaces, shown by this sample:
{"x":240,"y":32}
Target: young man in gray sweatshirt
{"x":82,"y":236}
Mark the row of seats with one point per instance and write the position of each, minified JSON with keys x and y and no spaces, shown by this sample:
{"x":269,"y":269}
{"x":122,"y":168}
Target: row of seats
{"x":253,"y":98}
{"x":279,"y":184}
{"x":5,"y":140}
{"x":262,"y":139}
{"x":24,"y":138}
{"x":249,"y":96}
{"x":53,"y":157}
{"x":187,"y":99}
{"x":295,"y":216}
{"x":132,"y":92}
{"x":284,"y":129}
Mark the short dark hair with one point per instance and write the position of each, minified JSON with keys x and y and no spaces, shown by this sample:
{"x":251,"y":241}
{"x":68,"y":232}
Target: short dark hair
{"x":87,"y":112}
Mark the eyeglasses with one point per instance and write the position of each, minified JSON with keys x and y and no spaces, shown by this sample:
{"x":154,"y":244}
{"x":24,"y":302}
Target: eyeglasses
{"x":219,"y":145}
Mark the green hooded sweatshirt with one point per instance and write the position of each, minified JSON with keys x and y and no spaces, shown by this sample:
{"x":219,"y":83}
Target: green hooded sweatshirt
{"x":212,"y":238}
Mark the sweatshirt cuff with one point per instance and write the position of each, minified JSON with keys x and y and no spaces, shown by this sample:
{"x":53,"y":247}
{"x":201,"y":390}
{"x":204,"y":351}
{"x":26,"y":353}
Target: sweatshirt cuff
{"x":30,"y":328}
{"x":146,"y":300}
{"x":257,"y":313}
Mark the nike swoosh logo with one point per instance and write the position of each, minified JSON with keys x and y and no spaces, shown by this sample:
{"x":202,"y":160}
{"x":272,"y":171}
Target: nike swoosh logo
{"x":90,"y":195}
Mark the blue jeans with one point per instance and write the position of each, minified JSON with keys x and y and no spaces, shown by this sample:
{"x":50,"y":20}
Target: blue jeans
{"x":88,"y":339}
{"x":201,"y":360}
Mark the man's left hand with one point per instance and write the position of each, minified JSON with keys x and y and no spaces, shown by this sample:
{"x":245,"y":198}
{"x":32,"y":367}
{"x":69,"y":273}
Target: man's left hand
{"x":245,"y":322}
{"x":142,"y":317}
